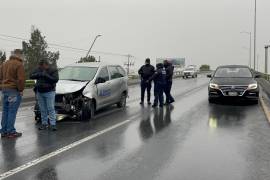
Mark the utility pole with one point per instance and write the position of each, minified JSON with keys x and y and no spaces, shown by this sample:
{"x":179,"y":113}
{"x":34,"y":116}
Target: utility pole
{"x":255,"y":33}
{"x":250,"y":42}
{"x":250,"y":46}
{"x":129,"y":63}
{"x":258,"y":59}
{"x":88,"y":52}
{"x":266,"y":59}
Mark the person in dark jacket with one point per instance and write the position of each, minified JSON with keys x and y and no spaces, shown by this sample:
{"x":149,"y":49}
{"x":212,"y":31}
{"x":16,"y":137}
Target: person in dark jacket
{"x":169,"y":76}
{"x":159,"y":78}
{"x":46,"y":77}
{"x":146,"y":71}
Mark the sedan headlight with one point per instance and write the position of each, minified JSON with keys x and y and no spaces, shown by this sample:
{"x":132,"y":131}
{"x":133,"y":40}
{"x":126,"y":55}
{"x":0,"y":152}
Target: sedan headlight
{"x":253,"y":86}
{"x":213,"y":86}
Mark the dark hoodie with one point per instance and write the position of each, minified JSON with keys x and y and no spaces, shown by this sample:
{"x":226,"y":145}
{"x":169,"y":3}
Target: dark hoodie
{"x":146,"y":71}
{"x":169,"y":71}
{"x":159,"y":76}
{"x":46,"y":79}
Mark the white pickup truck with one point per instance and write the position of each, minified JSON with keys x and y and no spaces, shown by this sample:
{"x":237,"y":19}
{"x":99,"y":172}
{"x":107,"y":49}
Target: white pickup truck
{"x":190,"y":71}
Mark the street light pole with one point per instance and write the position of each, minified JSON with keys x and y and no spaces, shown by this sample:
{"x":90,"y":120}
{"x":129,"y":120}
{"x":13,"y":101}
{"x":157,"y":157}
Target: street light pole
{"x":255,"y":33}
{"x":266,"y":59}
{"x":92,"y":45}
{"x":250,"y":42}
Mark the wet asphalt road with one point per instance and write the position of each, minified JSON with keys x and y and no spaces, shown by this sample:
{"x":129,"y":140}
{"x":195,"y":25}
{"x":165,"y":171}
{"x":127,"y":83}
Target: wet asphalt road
{"x":190,"y":140}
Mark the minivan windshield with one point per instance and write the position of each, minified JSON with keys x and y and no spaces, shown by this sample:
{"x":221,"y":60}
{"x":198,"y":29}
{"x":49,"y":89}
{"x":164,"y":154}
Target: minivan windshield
{"x":233,"y":72}
{"x":76,"y":73}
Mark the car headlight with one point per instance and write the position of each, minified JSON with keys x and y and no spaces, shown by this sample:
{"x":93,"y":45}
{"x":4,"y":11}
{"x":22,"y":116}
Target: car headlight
{"x":253,"y":86}
{"x":213,"y":86}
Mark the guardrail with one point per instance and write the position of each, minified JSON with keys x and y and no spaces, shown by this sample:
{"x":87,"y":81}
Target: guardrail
{"x":263,"y":75}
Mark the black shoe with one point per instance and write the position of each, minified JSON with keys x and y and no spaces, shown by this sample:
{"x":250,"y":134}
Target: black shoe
{"x":172,"y":101}
{"x":53,"y":128}
{"x":3,"y":135}
{"x":167,"y":103}
{"x":154,"y":106}
{"x":161,"y":106}
{"x":43,"y":127}
{"x":141,"y":103}
{"x":14,"y":135}
{"x":149,"y":103}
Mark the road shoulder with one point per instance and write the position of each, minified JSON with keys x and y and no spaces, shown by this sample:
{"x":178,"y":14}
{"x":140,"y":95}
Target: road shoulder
{"x":264,"y":101}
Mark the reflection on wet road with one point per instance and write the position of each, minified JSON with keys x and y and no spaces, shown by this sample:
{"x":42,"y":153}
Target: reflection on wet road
{"x":189,"y":140}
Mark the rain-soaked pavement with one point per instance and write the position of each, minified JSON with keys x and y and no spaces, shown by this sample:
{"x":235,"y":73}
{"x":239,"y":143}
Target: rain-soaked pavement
{"x":190,"y":140}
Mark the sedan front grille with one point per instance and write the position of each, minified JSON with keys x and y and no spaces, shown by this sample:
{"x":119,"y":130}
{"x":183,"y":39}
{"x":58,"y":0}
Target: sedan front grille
{"x":226,"y":89}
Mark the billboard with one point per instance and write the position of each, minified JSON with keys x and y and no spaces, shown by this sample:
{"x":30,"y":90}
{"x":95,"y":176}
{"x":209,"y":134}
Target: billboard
{"x":178,"y":62}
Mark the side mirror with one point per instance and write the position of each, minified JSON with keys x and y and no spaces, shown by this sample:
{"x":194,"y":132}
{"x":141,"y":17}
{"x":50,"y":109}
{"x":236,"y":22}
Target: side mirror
{"x":209,"y":75}
{"x":257,"y":76}
{"x":100,"y":80}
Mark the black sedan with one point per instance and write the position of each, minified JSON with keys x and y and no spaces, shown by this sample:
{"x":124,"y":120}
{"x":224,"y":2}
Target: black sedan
{"x":233,"y":82}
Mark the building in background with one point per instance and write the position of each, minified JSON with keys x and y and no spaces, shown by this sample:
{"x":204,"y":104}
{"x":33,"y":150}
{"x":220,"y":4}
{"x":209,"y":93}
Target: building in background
{"x":178,"y":63}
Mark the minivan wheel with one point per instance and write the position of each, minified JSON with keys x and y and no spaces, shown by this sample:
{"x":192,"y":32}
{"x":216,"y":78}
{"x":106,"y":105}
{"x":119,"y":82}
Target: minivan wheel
{"x":123,"y":101}
{"x":87,"y":111}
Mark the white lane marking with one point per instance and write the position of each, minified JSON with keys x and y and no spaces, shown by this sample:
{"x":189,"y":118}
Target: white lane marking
{"x":59,"y":151}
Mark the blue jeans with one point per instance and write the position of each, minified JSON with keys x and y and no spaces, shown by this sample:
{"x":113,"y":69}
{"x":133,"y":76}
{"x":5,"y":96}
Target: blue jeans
{"x":11,"y":100}
{"x":46,"y":103}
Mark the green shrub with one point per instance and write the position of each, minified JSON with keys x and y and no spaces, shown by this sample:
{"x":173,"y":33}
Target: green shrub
{"x":29,"y":84}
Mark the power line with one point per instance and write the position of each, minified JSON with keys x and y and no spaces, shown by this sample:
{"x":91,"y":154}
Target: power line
{"x":66,"y":47}
{"x":9,"y":40}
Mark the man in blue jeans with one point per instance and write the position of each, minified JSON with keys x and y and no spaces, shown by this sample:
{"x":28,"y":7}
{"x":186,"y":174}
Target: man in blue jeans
{"x":12,"y":78}
{"x":46,"y":77}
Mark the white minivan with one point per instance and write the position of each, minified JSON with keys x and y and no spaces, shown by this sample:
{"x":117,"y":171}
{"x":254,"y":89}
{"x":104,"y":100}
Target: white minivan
{"x":84,"y":88}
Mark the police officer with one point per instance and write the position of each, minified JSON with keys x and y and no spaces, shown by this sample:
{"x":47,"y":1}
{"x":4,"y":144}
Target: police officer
{"x":145,"y":72}
{"x":169,"y":76}
{"x":159,"y":78}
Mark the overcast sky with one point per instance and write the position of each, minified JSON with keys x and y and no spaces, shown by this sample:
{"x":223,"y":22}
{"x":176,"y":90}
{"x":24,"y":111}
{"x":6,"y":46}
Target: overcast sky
{"x":202,"y":31}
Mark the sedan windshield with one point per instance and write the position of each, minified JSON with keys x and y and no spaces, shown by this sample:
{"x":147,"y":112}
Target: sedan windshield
{"x":233,"y":72}
{"x":77,"y":73}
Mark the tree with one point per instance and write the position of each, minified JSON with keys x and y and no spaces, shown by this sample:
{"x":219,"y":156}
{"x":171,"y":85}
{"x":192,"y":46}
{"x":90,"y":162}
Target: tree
{"x":205,"y":67}
{"x":87,"y":59}
{"x":2,"y":56}
{"x":36,"y":50}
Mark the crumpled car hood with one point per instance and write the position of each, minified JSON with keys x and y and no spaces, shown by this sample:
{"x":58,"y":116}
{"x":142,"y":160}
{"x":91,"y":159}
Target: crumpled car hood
{"x":66,"y":86}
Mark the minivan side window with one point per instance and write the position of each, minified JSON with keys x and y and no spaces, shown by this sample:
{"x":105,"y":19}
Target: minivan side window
{"x":103,"y":73}
{"x":121,"y":71}
{"x":114,"y":72}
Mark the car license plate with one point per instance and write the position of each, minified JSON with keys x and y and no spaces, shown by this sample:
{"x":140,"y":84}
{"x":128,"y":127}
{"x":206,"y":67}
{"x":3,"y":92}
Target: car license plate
{"x":232,"y":93}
